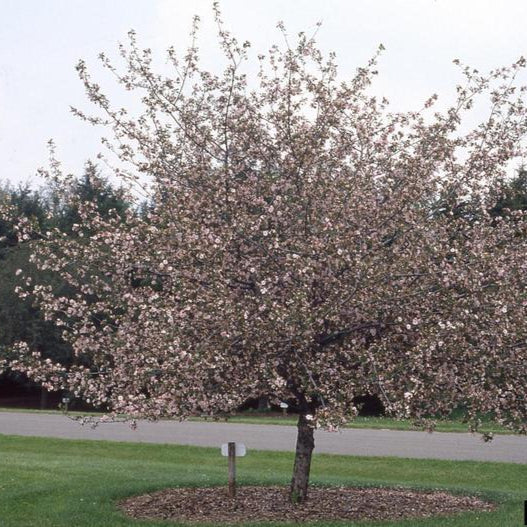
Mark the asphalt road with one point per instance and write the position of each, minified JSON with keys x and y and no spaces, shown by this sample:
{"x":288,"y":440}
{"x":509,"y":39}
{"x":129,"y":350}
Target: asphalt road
{"x":357,"y":442}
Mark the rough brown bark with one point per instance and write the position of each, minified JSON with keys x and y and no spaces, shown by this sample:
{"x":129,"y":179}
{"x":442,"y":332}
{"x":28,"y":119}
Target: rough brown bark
{"x":305,"y":443}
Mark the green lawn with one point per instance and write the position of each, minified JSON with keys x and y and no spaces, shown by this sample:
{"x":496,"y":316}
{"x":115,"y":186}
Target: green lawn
{"x":63,"y":483}
{"x":447,"y":425}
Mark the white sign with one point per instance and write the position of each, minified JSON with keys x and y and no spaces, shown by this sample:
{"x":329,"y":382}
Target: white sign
{"x":239,"y":450}
{"x":284,"y":405}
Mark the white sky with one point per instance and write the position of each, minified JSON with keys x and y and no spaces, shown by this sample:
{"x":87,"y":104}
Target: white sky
{"x":41,"y":40}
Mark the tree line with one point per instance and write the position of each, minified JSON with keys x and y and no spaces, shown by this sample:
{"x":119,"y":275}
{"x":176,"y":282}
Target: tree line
{"x":22,"y":320}
{"x":47,"y":208}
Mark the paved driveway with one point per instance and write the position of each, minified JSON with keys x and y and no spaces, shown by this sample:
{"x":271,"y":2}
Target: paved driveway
{"x":357,"y":442}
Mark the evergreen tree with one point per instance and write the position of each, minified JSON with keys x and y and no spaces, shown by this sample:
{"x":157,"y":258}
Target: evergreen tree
{"x":514,"y":195}
{"x":46,"y":208}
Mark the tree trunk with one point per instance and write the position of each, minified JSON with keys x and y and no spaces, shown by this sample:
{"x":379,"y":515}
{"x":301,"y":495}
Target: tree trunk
{"x":263,"y":403}
{"x":305,"y":442}
{"x":43,"y":398}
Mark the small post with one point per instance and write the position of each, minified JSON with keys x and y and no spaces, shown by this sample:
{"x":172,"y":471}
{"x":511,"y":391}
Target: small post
{"x":232,"y":470}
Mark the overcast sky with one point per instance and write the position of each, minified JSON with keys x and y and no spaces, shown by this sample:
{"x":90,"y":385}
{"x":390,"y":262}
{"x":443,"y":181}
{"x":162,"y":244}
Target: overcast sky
{"x":41,"y":40}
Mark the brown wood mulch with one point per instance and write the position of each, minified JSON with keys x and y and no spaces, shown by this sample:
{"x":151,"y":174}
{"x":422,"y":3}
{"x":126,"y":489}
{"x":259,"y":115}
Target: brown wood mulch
{"x":253,"y":504}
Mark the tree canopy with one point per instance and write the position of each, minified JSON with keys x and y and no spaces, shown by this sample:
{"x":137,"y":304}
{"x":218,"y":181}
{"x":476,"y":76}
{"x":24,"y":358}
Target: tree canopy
{"x":294,"y":247}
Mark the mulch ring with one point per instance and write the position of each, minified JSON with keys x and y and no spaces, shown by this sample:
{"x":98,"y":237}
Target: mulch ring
{"x":212,"y":505}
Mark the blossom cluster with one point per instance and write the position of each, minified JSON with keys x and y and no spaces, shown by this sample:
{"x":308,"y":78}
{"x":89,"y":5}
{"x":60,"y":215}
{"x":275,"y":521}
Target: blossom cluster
{"x":301,"y":241}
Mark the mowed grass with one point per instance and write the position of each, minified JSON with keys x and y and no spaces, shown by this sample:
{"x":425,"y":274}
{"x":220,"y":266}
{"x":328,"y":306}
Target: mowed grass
{"x":63,"y":483}
{"x":377,"y":423}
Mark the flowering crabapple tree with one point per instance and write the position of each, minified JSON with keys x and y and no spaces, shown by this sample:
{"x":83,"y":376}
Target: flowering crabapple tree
{"x":300,"y":241}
